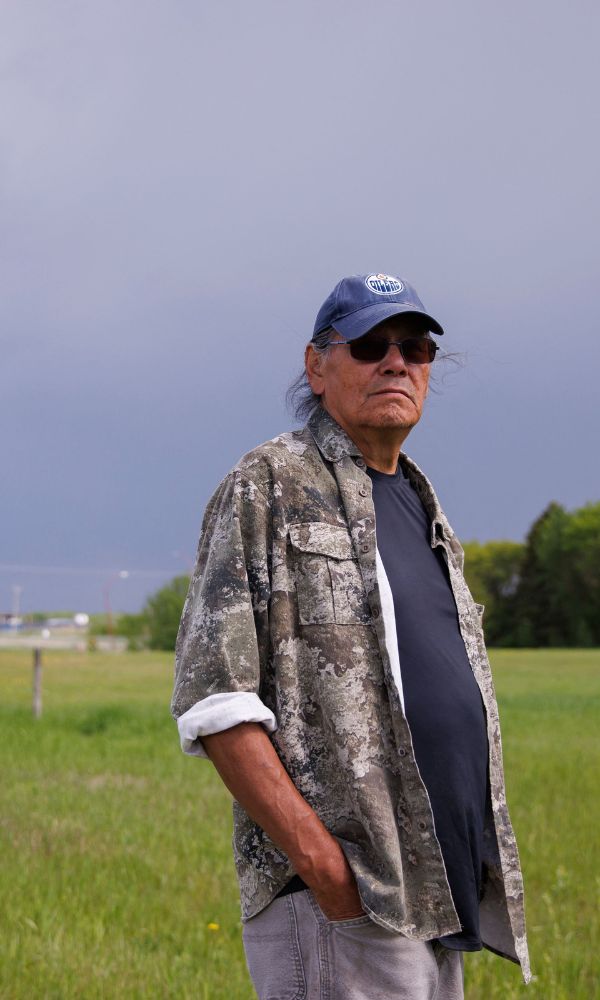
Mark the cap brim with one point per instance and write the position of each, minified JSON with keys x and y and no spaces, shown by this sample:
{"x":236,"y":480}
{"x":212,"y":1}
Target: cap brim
{"x":362,"y":320}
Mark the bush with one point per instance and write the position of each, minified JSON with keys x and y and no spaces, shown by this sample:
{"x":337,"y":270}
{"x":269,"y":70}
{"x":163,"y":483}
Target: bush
{"x":162,"y":613}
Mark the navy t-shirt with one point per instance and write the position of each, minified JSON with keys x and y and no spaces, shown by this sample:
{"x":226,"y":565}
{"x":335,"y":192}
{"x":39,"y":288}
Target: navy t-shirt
{"x":442,"y":700}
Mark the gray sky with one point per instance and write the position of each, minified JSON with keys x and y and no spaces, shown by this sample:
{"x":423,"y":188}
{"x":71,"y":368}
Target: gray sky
{"x":181,"y":186}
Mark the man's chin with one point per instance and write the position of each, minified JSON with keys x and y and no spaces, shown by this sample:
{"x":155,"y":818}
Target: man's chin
{"x":391,"y":416}
{"x":389,"y":421}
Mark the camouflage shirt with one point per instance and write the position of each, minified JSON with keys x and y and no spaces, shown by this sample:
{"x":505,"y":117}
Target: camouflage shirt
{"x":285,"y":604}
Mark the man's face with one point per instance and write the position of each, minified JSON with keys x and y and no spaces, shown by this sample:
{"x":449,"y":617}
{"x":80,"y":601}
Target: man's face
{"x":371,"y":394}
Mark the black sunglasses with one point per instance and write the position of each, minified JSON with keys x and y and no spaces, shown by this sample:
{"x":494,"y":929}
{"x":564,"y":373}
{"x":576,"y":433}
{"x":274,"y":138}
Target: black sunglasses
{"x":372,"y":347}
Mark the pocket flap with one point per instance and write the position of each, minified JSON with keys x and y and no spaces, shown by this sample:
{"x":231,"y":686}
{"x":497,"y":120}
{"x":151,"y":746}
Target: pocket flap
{"x":322,"y":539}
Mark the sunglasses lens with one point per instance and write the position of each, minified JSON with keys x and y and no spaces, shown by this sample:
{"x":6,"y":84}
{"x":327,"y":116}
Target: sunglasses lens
{"x":369,"y":348}
{"x":418,"y":350}
{"x":415,"y":350}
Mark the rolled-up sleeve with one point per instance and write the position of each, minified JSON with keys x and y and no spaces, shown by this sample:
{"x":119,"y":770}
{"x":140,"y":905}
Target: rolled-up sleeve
{"x":223,"y":638}
{"x":219,"y":712}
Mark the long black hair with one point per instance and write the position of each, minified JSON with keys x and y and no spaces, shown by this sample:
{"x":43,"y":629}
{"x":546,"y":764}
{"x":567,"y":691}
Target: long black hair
{"x":300,"y":398}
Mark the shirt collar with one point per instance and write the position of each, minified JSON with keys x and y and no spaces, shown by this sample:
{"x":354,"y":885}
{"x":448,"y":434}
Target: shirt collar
{"x":335,"y":445}
{"x":420,"y":483}
{"x":332,"y":440}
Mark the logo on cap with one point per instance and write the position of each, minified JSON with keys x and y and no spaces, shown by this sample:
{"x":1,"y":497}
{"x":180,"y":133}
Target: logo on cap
{"x":383,"y":284}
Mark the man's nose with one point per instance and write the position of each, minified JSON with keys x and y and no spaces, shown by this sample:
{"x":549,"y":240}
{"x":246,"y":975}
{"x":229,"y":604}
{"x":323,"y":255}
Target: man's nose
{"x":394,"y":362}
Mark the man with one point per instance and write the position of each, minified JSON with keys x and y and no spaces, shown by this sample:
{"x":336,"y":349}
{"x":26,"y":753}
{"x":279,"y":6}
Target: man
{"x":331,"y":664}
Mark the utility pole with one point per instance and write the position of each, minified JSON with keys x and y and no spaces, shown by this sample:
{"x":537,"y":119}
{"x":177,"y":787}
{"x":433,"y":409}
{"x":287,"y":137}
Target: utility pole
{"x":36,"y":703}
{"x":121,"y":575}
{"x":17,"y":590}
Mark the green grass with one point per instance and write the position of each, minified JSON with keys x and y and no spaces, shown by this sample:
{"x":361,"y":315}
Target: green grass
{"x":115,"y":847}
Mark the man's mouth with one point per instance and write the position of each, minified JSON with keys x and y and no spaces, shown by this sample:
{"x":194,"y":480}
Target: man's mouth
{"x":392,"y":392}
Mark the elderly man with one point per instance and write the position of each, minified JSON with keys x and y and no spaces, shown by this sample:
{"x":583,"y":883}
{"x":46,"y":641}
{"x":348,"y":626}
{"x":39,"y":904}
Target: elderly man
{"x":331,"y":664}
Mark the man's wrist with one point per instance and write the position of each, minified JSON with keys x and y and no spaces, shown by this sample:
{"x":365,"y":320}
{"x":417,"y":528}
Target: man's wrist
{"x":324,"y":865}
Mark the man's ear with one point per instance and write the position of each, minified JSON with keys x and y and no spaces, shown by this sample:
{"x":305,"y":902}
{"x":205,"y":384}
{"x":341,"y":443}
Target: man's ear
{"x":313,"y":362}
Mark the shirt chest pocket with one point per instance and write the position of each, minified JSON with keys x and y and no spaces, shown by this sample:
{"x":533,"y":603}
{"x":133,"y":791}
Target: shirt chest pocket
{"x":329,"y":583}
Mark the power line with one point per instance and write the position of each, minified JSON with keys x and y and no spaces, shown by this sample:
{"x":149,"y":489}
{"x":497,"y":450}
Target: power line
{"x":82,"y":571}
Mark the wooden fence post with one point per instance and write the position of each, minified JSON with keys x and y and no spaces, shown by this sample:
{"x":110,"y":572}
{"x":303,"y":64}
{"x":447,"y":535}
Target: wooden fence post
{"x":37,"y":684}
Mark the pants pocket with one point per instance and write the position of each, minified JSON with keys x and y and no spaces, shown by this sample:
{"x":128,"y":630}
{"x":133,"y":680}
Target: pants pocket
{"x":272,"y":951}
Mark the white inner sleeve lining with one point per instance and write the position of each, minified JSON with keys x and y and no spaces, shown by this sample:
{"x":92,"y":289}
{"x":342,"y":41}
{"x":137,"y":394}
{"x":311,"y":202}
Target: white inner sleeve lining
{"x":389,"y":623}
{"x":217,"y":712}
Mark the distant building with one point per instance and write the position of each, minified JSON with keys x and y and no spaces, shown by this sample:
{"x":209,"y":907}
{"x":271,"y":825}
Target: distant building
{"x":79,"y":620}
{"x":9,"y":620}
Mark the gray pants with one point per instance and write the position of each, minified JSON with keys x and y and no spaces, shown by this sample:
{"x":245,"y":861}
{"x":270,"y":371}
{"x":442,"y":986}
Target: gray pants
{"x":295,"y":953}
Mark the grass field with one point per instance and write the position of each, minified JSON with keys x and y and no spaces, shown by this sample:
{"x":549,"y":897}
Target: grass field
{"x":116,"y":879}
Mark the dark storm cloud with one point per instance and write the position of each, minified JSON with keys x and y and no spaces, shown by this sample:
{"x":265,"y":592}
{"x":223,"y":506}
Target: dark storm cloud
{"x":182,"y":184}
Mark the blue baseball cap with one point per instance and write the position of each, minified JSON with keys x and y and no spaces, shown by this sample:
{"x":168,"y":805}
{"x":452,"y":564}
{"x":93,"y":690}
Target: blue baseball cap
{"x":360,"y":302}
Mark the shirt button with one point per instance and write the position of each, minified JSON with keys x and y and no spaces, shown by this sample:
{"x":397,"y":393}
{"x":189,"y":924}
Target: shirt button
{"x":365,"y":548}
{"x":402,"y":751}
{"x":376,"y":612}
{"x":361,"y":463}
{"x":363,"y":492}
{"x":422,"y":825}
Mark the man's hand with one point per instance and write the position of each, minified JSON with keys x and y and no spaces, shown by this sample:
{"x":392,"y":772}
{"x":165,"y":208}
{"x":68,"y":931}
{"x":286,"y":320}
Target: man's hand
{"x":336,"y":891}
{"x":248,"y":764}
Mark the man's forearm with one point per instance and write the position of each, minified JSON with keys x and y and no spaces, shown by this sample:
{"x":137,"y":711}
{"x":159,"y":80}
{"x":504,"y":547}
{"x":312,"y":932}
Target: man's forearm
{"x":248,"y":764}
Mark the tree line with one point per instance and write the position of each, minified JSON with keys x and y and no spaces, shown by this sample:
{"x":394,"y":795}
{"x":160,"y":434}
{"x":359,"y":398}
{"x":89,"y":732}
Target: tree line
{"x":544,"y":591}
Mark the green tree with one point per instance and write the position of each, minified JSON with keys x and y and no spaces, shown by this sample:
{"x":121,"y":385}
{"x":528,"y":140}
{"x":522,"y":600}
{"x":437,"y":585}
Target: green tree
{"x":162,"y":613}
{"x":581,"y":542}
{"x":558,"y":598}
{"x":134,"y":628}
{"x":543,"y":607}
{"x":493,"y":573}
